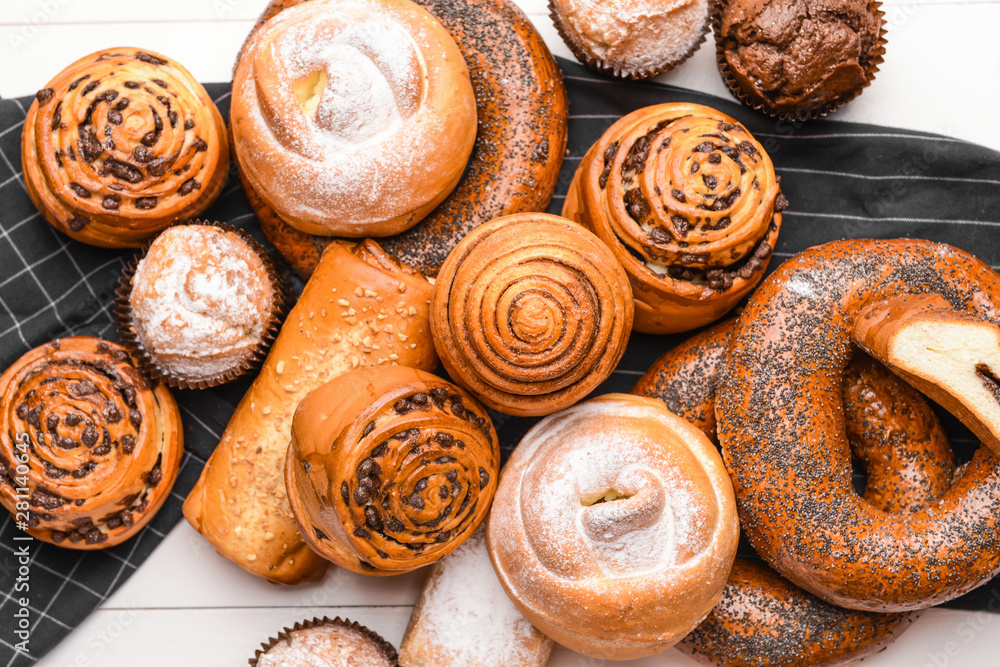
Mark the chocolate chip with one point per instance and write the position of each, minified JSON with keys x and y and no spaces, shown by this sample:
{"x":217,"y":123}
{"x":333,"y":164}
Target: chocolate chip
{"x":366,"y":468}
{"x":111,"y":202}
{"x":188,"y":186}
{"x":155,"y":474}
{"x":394,"y":524}
{"x":402,"y":406}
{"x":714,"y":158}
{"x":380,"y":450}
{"x":44,"y":95}
{"x":636,"y":205}
{"x":361,"y":532}
{"x":610,"y":153}
{"x":443,"y":492}
{"x":445,"y":440}
{"x":79,"y":190}
{"x":416,"y":501}
{"x":66,"y":442}
{"x":439,"y":395}
{"x":172,"y":117}
{"x":705,"y":147}
{"x":72,"y":419}
{"x":35,"y":417}
{"x":455,"y":489}
{"x":159,"y":82}
{"x":126,"y":518}
{"x":135,"y":417}
{"x":122,"y":104}
{"x":123,"y":171}
{"x":345,"y":493}
{"x":189,"y":124}
{"x":484,"y":477}
{"x":22,"y":411}
{"x":678,"y":195}
{"x":711,"y":182}
{"x":659,"y":236}
{"x":420,"y":399}
{"x":115,"y":117}
{"x":460,"y":444}
{"x":89,"y":437}
{"x":149,"y":138}
{"x":420,"y":485}
{"x":148,"y":58}
{"x":57,"y":117}
{"x":57,"y":536}
{"x":368,"y":429}
{"x":90,"y":87}
{"x":457,"y":408}
{"x":444,"y":460}
{"x":200,"y":145}
{"x":108,"y":96}
{"x":77,"y":222}
{"x":52,"y":421}
{"x":128,"y":443}
{"x":372,"y":519}
{"x":780,"y":204}
{"x":46,"y":500}
{"x":114,"y":522}
{"x":443,"y":536}
{"x":145,"y":203}
{"x":131,"y":84}
{"x":695,"y":166}
{"x":95,"y":536}
{"x":84,"y":470}
{"x":362,"y":494}
{"x":90,"y":146}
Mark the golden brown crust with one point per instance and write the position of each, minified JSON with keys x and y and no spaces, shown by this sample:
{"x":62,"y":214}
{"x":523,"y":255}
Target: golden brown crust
{"x":179,"y":296}
{"x":85,"y":490}
{"x":362,"y":137}
{"x":764,"y":620}
{"x":783,"y":434}
{"x":614,"y":527}
{"x":121,"y":144}
{"x":359,"y":308}
{"x":531,"y":313}
{"x":390,"y":469}
{"x":522,"y":109}
{"x":690,"y":205}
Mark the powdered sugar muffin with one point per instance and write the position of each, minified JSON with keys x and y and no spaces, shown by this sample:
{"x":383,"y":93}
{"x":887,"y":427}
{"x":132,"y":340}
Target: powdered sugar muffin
{"x":200,"y":305}
{"x":633,"y":39}
{"x":336,"y":643}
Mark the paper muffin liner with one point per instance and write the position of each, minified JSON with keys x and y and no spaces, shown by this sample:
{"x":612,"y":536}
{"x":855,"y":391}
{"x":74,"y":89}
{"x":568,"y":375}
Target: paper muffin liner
{"x":382,"y":645}
{"x":597,"y":65}
{"x":877,"y":58}
{"x":147,"y":361}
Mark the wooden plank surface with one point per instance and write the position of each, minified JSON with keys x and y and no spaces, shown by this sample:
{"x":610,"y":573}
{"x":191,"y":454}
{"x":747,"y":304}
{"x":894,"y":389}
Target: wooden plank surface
{"x":186,"y":605}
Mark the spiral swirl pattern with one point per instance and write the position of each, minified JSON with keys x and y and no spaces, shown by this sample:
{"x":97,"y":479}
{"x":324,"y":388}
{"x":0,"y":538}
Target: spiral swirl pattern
{"x":399,"y":474}
{"x":87,"y":441}
{"x":530,"y":313}
{"x":689,"y":202}
{"x":121,"y":144}
{"x":352,"y":117}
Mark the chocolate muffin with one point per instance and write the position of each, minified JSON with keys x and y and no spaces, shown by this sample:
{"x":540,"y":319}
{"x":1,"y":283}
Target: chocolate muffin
{"x":798,"y":58}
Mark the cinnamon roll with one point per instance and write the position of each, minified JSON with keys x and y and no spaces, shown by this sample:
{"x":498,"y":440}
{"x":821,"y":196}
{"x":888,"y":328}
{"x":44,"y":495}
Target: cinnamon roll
{"x":689,"y":203}
{"x":89,"y":447}
{"x":352,"y":117}
{"x":614,"y":527}
{"x":390,"y":468}
{"x":121,"y":144}
{"x":530,"y":313}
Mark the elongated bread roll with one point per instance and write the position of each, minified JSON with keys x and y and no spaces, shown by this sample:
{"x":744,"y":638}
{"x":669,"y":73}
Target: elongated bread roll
{"x":359,"y":308}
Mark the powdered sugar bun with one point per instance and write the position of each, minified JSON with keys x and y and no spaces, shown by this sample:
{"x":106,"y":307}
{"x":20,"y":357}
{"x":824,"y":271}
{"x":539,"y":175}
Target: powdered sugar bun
{"x":463,"y":618}
{"x":614,"y":527}
{"x":353,"y":117}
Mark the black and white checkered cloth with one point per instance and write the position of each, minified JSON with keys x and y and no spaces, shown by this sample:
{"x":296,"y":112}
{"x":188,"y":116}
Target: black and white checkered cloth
{"x":843,"y":180}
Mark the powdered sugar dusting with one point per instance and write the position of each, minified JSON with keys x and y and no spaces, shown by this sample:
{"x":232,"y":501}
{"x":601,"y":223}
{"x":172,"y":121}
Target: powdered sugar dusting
{"x":201,"y":300}
{"x":324,"y":646}
{"x":341,"y":119}
{"x":467,"y":619}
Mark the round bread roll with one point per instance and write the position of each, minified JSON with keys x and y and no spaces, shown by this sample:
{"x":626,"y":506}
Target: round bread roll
{"x":352,"y":117}
{"x":530,"y":313}
{"x":614,"y":527}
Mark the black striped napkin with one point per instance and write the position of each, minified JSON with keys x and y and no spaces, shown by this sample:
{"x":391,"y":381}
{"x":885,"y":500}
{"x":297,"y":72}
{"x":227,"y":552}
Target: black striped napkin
{"x":843,"y":180}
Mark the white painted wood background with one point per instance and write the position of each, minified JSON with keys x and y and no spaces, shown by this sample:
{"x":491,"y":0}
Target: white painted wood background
{"x":188,"y":606}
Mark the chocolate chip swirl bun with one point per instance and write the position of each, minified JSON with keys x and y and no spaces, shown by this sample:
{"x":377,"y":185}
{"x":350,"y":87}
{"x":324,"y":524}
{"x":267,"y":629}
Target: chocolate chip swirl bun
{"x":530,"y":313}
{"x":614,"y":527}
{"x":390,"y":468}
{"x":89,"y":442}
{"x":121,"y":144}
{"x":689,"y":203}
{"x":352,"y":117}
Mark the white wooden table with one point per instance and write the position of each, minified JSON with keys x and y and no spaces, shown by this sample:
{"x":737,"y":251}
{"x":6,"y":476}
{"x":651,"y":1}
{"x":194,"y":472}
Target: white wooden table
{"x":188,"y":606}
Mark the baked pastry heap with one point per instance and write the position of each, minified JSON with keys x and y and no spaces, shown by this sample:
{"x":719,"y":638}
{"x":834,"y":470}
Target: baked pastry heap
{"x":121,"y":144}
